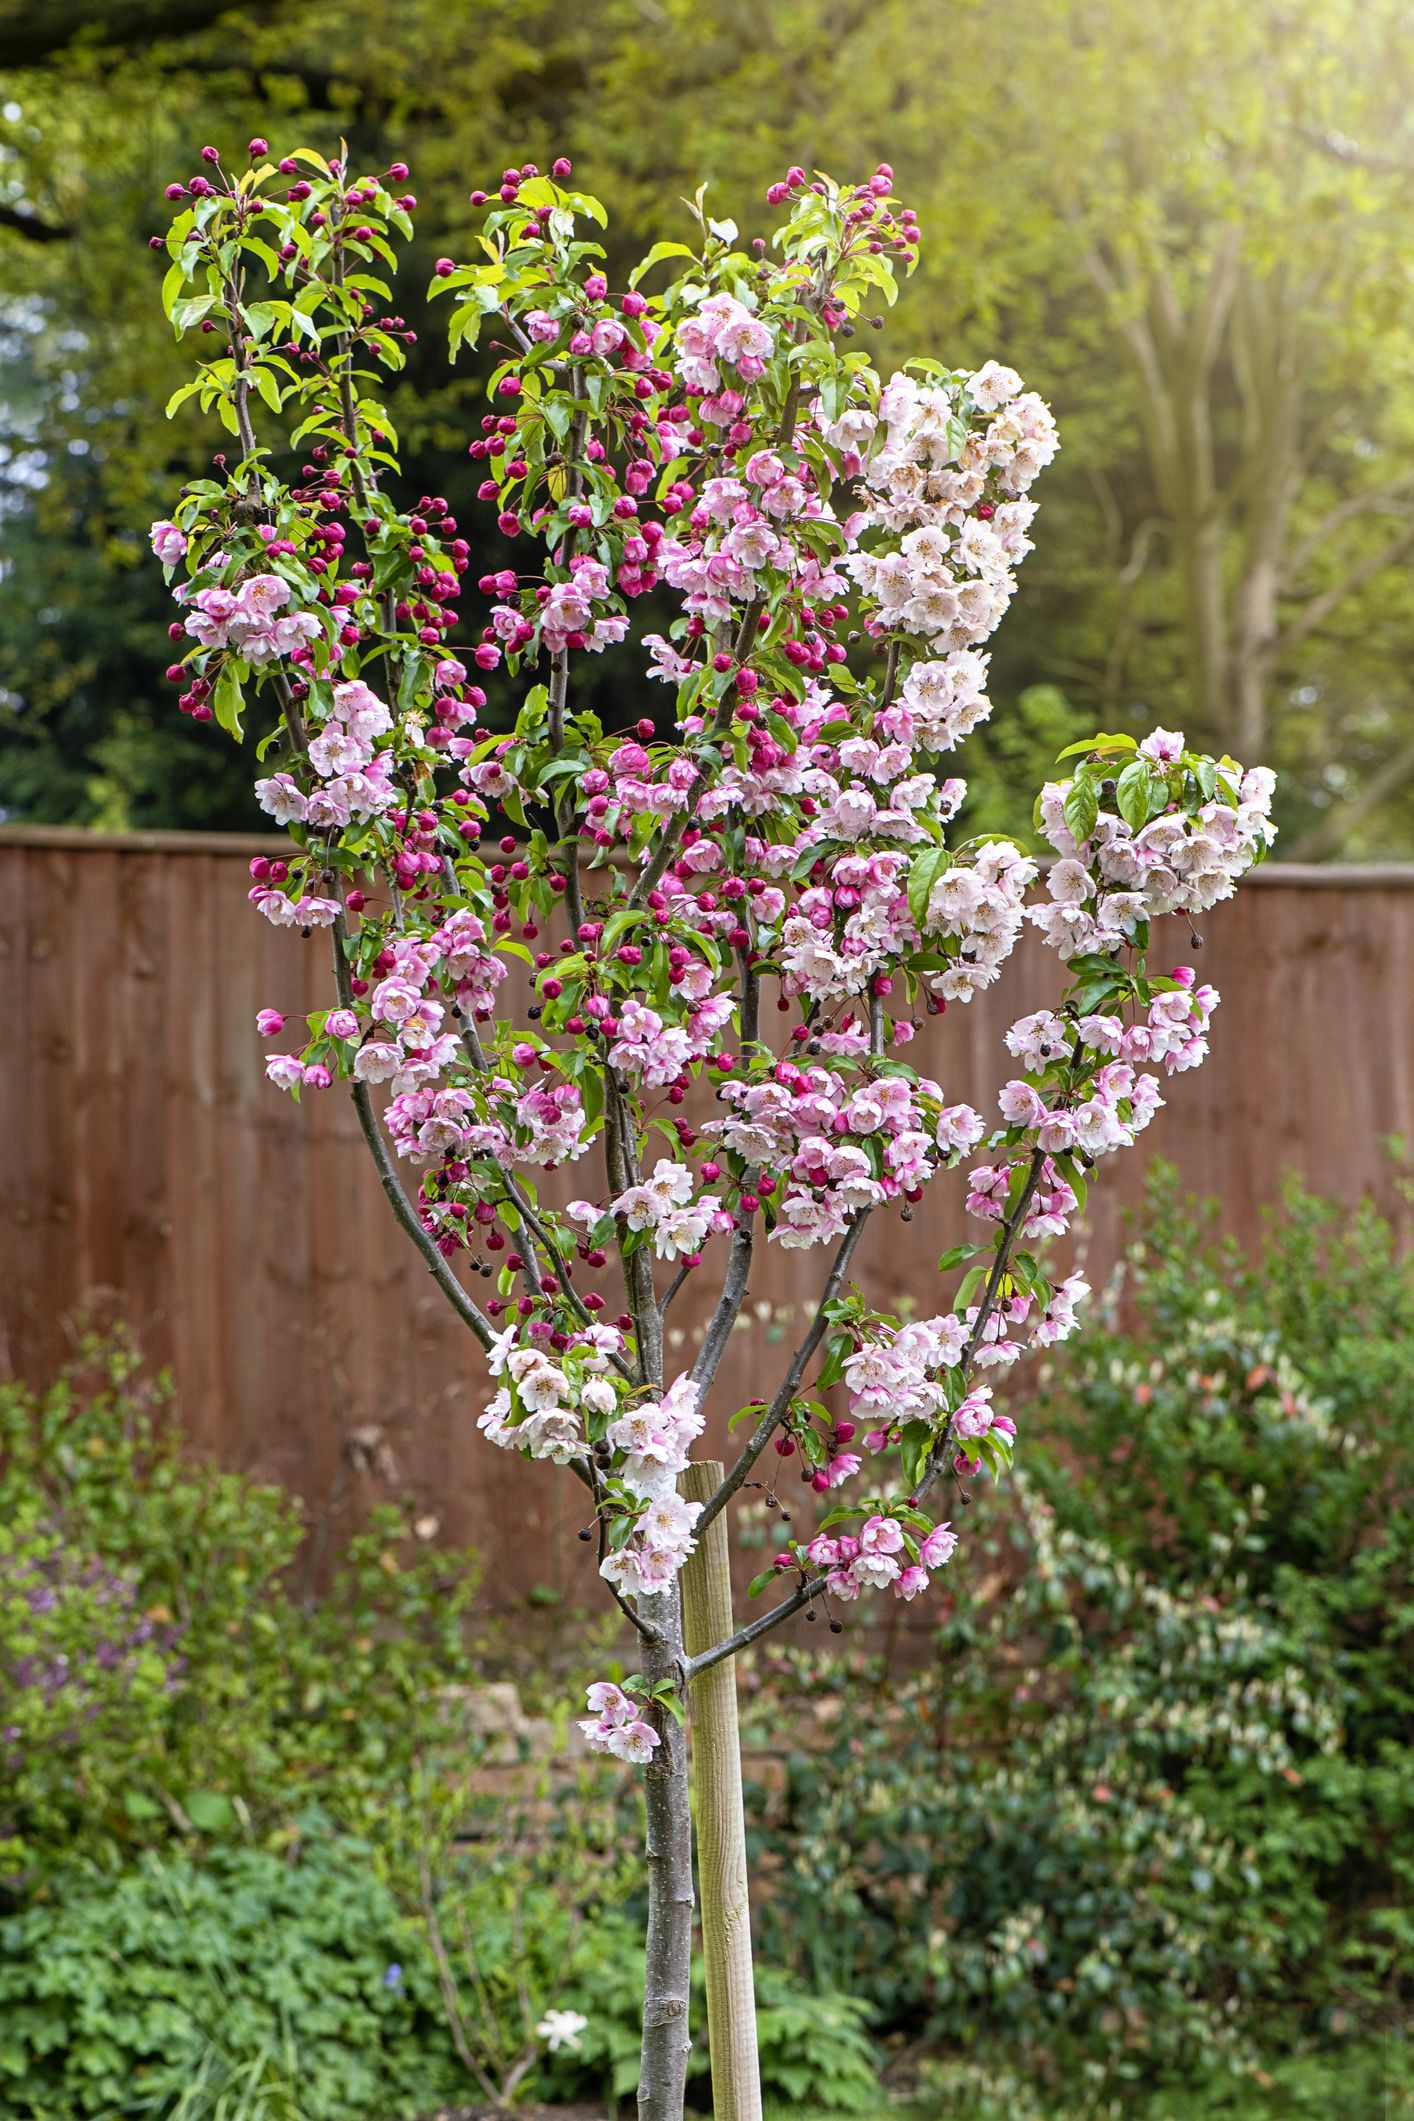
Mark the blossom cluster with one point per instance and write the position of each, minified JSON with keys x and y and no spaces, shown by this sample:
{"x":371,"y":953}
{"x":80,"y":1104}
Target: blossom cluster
{"x":1118,"y":871}
{"x":883,"y":1555}
{"x":837,"y":1144}
{"x":250,"y":618}
{"x":655,"y":1437}
{"x":949,"y":489}
{"x":551,"y":1395}
{"x":615,"y":1725}
{"x":664,"y":1204}
{"x":353,"y":779}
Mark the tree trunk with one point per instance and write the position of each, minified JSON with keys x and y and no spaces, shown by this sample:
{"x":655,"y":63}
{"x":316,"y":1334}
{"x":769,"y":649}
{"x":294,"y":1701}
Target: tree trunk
{"x":1200,"y":543}
{"x":668,"y":1950}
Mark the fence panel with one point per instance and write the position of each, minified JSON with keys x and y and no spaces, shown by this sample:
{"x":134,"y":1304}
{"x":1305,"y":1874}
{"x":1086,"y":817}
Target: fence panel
{"x":148,"y":1173}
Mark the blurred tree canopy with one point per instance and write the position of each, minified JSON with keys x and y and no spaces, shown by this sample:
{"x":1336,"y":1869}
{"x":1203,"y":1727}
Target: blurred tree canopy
{"x":1185,"y":226}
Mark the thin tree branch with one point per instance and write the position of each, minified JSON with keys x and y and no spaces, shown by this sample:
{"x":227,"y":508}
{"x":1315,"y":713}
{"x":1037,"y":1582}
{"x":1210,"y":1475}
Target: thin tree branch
{"x":1320,"y":607}
{"x":446,"y":1978}
{"x":673,"y":1289}
{"x":32,"y":228}
{"x":790,"y":1384}
{"x":1210,"y":318}
{"x":754,"y":1629}
{"x":1379,"y":500}
{"x":466,"y":1309}
{"x":1011,"y":1229}
{"x":733,"y":1296}
{"x":645,"y":1628}
{"x":814,"y":1585}
{"x":469,"y":1312}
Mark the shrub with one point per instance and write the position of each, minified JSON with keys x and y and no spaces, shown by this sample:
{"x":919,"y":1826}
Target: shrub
{"x":815,"y":2051}
{"x":116,"y":1993}
{"x":1150,"y":1819}
{"x":1263,"y":1462}
{"x":197,"y":1926}
{"x":162,"y":1675}
{"x":299,"y":1979}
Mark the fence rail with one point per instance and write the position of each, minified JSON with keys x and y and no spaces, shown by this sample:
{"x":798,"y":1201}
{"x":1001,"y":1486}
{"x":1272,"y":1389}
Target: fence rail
{"x":148,"y":1173}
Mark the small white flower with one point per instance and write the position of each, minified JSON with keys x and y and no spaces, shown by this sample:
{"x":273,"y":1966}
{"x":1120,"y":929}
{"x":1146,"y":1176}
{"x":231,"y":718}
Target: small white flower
{"x":561,"y":2029}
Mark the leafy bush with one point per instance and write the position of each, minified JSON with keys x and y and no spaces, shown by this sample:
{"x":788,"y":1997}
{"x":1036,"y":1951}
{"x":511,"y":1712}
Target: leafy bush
{"x":298,"y":1983}
{"x":86,"y":1671}
{"x":1149,"y":1817}
{"x":119,"y":1993}
{"x":815,"y":2050}
{"x":1371,"y":2079}
{"x":234,"y":1822}
{"x":161,"y":1675}
{"x":547,"y":1914}
{"x":1265,"y":1464}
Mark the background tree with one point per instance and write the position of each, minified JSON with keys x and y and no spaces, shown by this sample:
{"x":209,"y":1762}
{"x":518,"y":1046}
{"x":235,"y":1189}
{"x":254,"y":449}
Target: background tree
{"x":1187,"y":227}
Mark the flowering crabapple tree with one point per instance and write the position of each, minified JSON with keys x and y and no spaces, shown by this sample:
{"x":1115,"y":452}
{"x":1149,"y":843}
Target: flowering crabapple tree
{"x":764,"y":904}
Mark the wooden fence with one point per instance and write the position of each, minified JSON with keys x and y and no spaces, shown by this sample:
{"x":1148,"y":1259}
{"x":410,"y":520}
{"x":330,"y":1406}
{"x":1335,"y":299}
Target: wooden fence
{"x":148,"y":1173}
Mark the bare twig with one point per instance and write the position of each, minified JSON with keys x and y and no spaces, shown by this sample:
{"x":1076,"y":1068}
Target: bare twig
{"x":790,"y":1384}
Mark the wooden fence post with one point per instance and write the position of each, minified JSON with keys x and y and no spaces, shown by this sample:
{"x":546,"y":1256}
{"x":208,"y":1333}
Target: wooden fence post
{"x":721,"y":1820}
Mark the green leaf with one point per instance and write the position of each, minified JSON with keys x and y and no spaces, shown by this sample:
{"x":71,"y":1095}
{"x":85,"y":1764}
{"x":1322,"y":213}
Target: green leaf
{"x":971,"y":1283}
{"x":1132,"y":794}
{"x":265,"y":383}
{"x":1100,"y":742}
{"x":180,"y":395}
{"x":191,"y":311}
{"x":655,"y":257}
{"x":1081,"y":808}
{"x":228,"y":700}
{"x":927,"y":868}
{"x":837,"y":1354}
{"x":209,"y":1812}
{"x":665,"y":1696}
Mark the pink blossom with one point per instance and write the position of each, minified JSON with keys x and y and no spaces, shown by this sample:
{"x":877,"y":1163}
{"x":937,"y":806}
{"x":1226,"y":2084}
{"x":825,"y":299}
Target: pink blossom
{"x":168,"y":543}
{"x":938,"y":1547}
{"x":881,"y":1535}
{"x":284,"y":1070}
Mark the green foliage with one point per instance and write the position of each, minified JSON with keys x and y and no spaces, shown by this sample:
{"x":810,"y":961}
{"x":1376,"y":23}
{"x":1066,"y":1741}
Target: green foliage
{"x":814,"y":2049}
{"x":1149,"y":1821}
{"x":1371,"y":2079}
{"x":237,"y":1830}
{"x":1100,"y":170}
{"x":283,"y":1988}
{"x":165,"y":1674}
{"x":247,"y":1985}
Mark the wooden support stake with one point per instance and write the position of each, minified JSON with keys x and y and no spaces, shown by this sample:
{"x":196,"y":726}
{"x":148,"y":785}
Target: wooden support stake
{"x":721,"y":1820}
